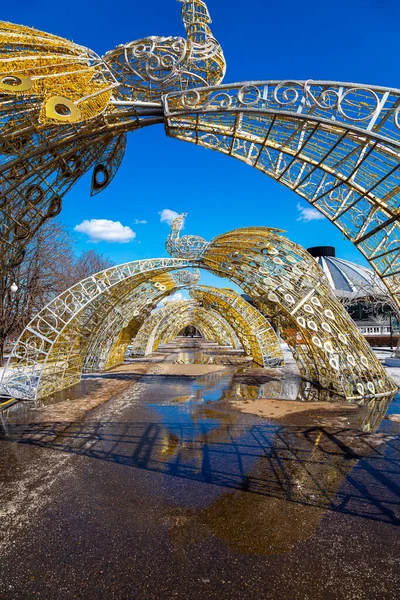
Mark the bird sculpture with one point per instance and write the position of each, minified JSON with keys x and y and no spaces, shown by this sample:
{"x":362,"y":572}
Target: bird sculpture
{"x":64,"y":110}
{"x":189,"y":246}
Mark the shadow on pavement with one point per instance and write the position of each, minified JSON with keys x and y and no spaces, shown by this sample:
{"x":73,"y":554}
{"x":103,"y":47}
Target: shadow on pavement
{"x":340,"y":470}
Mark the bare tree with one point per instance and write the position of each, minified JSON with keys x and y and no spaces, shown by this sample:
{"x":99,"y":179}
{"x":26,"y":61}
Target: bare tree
{"x":50,"y":266}
{"x":86,"y":264}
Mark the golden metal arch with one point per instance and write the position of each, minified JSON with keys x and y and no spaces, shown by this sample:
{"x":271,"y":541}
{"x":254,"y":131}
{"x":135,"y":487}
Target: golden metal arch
{"x":107,"y":345}
{"x":75,"y":331}
{"x":169,"y":321}
{"x":335,"y":144}
{"x":289,"y":288}
{"x":64,"y":110}
{"x":255,"y":333}
{"x":213,"y":325}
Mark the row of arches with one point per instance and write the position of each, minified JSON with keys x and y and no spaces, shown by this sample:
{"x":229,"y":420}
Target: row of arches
{"x":166,"y":324}
{"x":87,"y":327}
{"x":244,"y":326}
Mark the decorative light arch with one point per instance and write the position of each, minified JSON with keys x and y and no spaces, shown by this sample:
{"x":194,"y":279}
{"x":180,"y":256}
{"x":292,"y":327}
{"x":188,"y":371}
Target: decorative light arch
{"x":125,"y":316}
{"x":291,"y":292}
{"x":61,"y":341}
{"x":256,"y":335}
{"x":289,"y":288}
{"x":335,"y":144}
{"x":213,"y":325}
{"x":173,"y":318}
{"x":284,"y":281}
{"x":251,"y":330}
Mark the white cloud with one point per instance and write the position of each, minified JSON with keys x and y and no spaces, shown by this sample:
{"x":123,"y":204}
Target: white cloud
{"x":167,"y":216}
{"x":177,"y":297}
{"x":308,"y":213}
{"x":104,"y":230}
{"x":140,"y":222}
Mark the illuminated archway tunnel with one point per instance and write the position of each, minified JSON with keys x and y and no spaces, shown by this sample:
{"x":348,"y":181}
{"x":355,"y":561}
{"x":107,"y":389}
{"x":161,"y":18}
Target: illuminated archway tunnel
{"x":255,"y":333}
{"x":212,"y":325}
{"x":78,"y":331}
{"x":336,"y":145}
{"x":248,"y":328}
{"x":166,"y":324}
{"x":289,"y":288}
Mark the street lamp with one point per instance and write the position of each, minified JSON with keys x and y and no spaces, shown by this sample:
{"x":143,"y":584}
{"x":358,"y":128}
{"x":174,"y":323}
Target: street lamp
{"x":14,"y":288}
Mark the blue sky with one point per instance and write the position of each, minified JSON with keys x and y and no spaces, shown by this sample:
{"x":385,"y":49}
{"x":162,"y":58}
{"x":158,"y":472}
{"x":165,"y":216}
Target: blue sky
{"x":345,"y":40}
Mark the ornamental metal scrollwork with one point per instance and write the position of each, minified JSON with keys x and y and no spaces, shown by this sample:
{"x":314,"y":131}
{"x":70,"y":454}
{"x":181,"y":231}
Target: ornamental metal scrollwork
{"x":88,"y":326}
{"x":62,"y":105}
{"x":335,"y":144}
{"x":188,"y":246}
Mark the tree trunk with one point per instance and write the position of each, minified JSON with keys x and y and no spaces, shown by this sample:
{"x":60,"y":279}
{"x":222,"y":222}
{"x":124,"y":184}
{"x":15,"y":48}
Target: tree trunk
{"x":2,"y":344}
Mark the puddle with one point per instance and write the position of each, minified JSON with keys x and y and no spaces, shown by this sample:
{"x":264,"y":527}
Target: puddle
{"x":199,"y":404}
{"x":185,"y":431}
{"x":197,"y":407}
{"x":192,"y":358}
{"x":24,"y":409}
{"x":204,"y":401}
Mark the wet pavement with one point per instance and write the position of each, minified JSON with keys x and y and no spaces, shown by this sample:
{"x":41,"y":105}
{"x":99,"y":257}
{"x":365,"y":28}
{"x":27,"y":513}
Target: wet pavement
{"x":167,"y":491}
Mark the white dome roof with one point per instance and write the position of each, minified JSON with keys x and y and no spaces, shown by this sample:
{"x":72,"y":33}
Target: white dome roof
{"x":348,"y":279}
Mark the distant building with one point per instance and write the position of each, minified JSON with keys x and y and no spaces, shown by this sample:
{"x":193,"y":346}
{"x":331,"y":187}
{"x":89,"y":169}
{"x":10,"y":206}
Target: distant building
{"x":363,"y":295}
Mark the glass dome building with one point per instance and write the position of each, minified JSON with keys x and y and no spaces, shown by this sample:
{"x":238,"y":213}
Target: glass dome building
{"x":362,"y":293}
{"x":347,"y":279}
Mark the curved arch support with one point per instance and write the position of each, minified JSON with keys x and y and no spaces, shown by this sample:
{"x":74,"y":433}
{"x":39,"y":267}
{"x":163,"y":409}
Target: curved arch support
{"x":215,"y":327}
{"x":108,"y":343}
{"x":290,"y":289}
{"x":337,"y":145}
{"x":80,"y":328}
{"x":50,"y":352}
{"x":166,"y":324}
{"x":252,"y":328}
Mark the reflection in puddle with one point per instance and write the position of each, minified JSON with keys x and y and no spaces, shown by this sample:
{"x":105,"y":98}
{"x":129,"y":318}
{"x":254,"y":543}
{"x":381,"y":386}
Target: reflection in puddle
{"x":199,"y":405}
{"x":267,"y":484}
{"x":196,"y":408}
{"x":193,"y":358}
{"x":26,"y":408}
{"x":290,"y":475}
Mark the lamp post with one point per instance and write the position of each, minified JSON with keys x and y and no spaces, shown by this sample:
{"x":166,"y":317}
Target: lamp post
{"x":14,"y":288}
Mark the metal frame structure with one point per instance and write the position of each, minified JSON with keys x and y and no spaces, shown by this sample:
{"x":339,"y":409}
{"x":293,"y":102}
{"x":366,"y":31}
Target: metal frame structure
{"x":255,"y":333}
{"x":76,"y":332}
{"x":157,"y":328}
{"x":173,"y":319}
{"x":63,"y":110}
{"x":247,"y":328}
{"x":337,"y":145}
{"x":290,"y":289}
{"x":88,"y":327}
